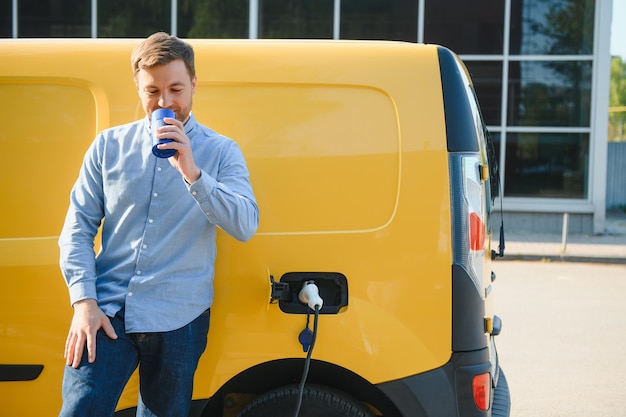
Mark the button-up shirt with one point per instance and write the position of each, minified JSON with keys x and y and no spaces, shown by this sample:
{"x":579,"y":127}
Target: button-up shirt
{"x":158,"y":248}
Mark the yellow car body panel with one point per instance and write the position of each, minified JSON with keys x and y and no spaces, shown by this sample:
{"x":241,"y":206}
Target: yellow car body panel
{"x":346,"y":147}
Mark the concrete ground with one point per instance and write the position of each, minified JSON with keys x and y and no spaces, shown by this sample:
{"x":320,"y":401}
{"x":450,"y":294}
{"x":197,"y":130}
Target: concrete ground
{"x":563,"y":340}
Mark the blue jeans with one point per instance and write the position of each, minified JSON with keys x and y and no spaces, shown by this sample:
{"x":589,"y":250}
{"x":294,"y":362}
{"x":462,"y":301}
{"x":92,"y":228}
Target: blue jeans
{"x":167,"y":363}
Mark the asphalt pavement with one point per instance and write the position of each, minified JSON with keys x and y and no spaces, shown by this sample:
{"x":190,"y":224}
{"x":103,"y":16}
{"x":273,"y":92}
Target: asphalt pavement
{"x":608,"y":247}
{"x":562,"y":342}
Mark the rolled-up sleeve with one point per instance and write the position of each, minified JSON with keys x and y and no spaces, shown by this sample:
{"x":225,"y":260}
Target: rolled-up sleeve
{"x":228,"y":200}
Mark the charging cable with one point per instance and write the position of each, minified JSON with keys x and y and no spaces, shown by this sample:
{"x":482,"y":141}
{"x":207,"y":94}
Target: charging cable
{"x":309,"y":295}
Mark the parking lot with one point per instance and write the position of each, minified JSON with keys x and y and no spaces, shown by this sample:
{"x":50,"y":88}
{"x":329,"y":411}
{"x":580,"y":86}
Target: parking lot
{"x":563,"y":343}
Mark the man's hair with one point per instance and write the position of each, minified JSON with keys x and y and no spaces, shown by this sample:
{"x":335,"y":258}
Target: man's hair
{"x":159,"y":49}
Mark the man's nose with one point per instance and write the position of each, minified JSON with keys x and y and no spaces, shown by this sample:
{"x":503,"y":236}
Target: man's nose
{"x":164,"y":101}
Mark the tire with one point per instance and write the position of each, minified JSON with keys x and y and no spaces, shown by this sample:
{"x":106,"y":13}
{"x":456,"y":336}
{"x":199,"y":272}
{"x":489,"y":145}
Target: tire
{"x":316,"y":402}
{"x":501,"y":398}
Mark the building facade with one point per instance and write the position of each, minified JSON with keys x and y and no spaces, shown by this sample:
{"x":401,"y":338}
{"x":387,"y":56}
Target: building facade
{"x":541,"y":69}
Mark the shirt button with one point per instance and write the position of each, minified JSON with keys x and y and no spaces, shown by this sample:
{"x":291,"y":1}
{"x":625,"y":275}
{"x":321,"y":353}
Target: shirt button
{"x":150,"y":221}
{"x":159,"y":169}
{"x":194,"y":193}
{"x":138,"y":272}
{"x":155,"y":195}
{"x":144,"y":246}
{"x":130,"y":294}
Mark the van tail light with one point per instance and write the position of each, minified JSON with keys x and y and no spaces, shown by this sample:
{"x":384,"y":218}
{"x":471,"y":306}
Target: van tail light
{"x":481,"y":386}
{"x":477,"y":232}
{"x":469,"y":214}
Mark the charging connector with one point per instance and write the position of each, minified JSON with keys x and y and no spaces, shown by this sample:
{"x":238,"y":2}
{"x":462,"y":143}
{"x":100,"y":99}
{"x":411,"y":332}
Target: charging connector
{"x":310,"y":295}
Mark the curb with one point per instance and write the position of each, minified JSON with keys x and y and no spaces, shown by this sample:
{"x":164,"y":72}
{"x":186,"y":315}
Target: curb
{"x":562,"y":258}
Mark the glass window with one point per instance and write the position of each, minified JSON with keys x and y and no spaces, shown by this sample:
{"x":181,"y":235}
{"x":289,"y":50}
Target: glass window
{"x":493,"y":152}
{"x":496,"y":138}
{"x":549,"y":93}
{"x":213,"y":19}
{"x":54,"y":19}
{"x":540,"y":27}
{"x":548,"y":165}
{"x":379,"y":19}
{"x":466,"y":27}
{"x":133,"y":19}
{"x":6,"y":19}
{"x":312,"y":19}
{"x":487,"y":79}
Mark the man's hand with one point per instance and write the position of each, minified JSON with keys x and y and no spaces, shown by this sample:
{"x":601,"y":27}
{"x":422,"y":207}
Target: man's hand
{"x":183,"y":159}
{"x":87,"y":320}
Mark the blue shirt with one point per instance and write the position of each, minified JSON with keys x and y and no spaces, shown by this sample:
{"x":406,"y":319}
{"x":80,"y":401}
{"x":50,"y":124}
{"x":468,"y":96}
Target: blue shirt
{"x":158,"y":233}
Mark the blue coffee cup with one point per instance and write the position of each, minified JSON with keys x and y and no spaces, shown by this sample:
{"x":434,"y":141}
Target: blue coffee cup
{"x":157,"y":121}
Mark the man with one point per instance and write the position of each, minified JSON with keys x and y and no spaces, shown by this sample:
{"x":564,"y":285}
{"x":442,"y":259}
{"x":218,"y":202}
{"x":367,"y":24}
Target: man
{"x":145,"y":298}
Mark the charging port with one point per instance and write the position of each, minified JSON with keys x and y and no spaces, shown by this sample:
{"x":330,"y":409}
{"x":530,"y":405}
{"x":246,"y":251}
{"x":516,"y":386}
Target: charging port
{"x":332,"y":289}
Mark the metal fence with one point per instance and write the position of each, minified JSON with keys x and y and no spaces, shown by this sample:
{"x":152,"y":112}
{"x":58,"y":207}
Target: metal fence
{"x":616,"y":175}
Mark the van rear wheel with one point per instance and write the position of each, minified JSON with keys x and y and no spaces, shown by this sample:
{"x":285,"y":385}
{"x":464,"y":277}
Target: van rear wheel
{"x":316,"y":402}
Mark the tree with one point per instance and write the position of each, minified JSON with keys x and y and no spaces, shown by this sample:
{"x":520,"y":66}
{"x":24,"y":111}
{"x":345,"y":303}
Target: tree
{"x":617,"y":100}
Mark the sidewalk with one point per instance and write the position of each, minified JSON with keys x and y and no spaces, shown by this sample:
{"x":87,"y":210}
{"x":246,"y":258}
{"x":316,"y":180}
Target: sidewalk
{"x":609,"y":247}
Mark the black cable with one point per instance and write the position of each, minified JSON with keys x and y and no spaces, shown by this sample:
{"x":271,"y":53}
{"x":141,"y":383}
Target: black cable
{"x":307,"y":361}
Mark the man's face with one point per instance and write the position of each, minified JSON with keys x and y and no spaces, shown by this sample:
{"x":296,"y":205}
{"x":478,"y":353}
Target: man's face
{"x":166,"y":86}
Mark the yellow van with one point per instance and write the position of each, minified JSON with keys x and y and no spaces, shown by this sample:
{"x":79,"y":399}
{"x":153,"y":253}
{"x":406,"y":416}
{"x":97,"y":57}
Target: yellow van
{"x":375,"y":179}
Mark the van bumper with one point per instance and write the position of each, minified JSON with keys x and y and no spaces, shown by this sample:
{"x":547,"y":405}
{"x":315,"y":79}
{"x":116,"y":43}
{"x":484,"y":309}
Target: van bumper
{"x":443,"y":392}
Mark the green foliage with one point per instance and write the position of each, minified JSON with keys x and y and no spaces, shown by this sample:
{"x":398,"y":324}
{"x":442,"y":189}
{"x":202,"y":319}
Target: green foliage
{"x":213,"y":18}
{"x":617,"y":100}
{"x":618,"y":82}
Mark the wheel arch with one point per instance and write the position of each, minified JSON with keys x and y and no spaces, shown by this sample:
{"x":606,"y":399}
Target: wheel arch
{"x":245,"y":386}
